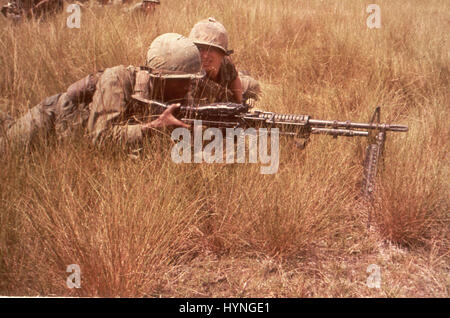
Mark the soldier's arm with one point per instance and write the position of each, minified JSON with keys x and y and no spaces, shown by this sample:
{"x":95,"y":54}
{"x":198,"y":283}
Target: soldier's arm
{"x":108,"y":118}
{"x":236,"y":88}
{"x":233,"y":77}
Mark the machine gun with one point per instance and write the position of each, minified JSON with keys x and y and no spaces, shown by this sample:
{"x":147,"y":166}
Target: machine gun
{"x":229,"y":115}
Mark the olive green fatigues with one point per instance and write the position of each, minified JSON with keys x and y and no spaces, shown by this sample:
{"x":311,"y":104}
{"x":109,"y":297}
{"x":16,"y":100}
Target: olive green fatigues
{"x":100,"y":103}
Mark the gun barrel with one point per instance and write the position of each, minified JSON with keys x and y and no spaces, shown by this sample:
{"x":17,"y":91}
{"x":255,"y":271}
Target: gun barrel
{"x":350,"y":125}
{"x":340,"y":132}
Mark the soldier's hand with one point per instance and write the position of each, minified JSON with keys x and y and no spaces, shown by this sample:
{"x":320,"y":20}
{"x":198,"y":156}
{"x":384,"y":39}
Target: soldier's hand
{"x":166,"y":119}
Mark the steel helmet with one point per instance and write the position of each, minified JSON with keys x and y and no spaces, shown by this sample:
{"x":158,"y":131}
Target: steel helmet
{"x":172,"y":55}
{"x":211,"y":32}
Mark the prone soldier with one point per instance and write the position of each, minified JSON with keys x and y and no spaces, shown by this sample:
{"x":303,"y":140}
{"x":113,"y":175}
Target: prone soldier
{"x":102,"y":103}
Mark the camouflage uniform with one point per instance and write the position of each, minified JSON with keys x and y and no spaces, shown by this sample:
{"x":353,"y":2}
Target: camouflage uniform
{"x":60,"y":114}
{"x":18,"y":8}
{"x":114,"y":117}
{"x":103,"y":102}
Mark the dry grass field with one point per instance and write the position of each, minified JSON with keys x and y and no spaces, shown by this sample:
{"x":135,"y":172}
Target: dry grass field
{"x":148,"y":227}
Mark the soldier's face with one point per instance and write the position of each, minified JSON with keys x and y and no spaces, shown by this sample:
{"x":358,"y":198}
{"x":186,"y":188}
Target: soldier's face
{"x":176,"y":88}
{"x":211,"y":59}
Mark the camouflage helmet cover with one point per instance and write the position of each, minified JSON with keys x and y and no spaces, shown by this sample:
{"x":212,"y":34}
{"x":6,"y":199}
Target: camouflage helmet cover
{"x":210,"y":32}
{"x":172,"y":55}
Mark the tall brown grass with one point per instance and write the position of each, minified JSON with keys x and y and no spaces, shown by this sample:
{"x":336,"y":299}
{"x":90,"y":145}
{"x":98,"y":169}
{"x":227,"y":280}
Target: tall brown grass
{"x":129,"y":222}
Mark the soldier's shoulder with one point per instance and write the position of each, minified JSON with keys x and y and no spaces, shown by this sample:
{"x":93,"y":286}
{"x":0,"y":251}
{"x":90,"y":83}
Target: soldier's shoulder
{"x":121,"y":69}
{"x":119,"y":73}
